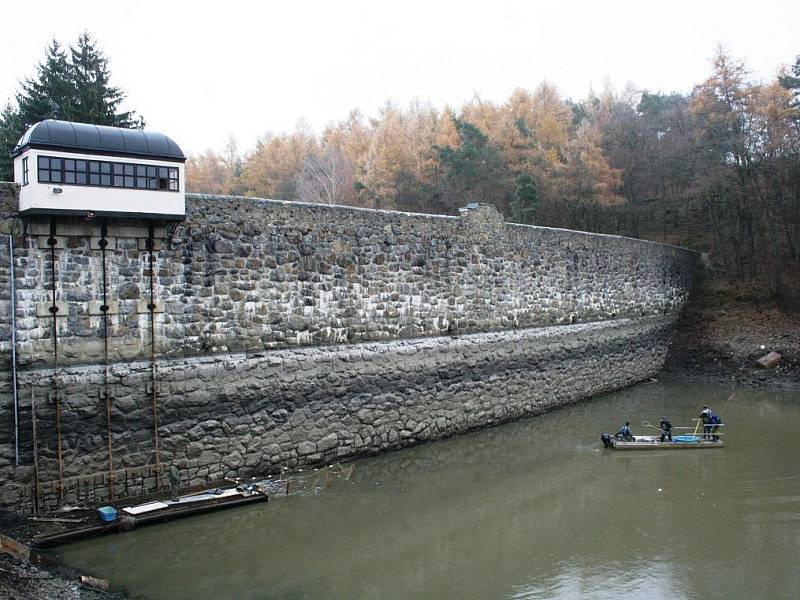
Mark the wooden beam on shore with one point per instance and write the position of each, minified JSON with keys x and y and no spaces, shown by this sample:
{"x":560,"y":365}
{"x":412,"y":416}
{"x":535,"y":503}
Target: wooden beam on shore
{"x":14,"y":548}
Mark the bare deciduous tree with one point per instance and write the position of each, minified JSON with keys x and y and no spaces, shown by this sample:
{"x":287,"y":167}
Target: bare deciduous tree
{"x":327,"y":178}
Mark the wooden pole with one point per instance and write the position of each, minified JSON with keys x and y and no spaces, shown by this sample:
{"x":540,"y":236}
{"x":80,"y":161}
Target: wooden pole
{"x":724,"y":406}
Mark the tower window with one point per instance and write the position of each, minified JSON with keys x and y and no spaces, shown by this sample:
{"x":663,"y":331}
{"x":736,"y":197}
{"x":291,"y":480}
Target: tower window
{"x":102,"y":173}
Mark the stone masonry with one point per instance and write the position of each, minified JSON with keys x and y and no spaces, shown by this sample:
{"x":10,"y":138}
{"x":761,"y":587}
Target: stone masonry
{"x":290,"y":334}
{"x":244,"y":274}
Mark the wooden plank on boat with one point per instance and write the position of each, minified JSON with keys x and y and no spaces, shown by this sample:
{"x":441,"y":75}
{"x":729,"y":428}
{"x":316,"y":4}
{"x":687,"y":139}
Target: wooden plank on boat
{"x":54,"y":520}
{"x":155,"y":516}
{"x":207,"y":496}
{"x":145,"y":508}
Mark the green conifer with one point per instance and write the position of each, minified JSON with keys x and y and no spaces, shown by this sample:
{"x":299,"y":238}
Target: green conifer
{"x":73,"y":86}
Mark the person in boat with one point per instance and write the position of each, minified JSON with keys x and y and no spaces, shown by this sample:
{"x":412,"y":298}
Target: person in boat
{"x":706,"y":415}
{"x":666,"y":429}
{"x":625,"y":432}
{"x":716,"y":421}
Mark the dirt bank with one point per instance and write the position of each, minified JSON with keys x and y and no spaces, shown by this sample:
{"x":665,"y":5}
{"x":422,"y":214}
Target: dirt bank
{"x":21,"y":580}
{"x":722,"y":335}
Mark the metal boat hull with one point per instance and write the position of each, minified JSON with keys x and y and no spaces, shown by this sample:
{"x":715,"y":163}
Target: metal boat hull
{"x":646,"y":442}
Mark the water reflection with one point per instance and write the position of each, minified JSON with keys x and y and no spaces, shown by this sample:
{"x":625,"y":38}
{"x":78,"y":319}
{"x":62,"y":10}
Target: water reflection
{"x":533,"y":509}
{"x":659,"y":579}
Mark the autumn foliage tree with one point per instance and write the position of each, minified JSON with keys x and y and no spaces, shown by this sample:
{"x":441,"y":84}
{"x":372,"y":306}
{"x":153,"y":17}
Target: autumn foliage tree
{"x":716,"y":169}
{"x":425,"y":160}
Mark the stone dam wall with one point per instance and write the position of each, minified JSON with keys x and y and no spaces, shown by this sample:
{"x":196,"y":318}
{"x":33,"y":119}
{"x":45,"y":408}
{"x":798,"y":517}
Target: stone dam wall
{"x":284,"y":334}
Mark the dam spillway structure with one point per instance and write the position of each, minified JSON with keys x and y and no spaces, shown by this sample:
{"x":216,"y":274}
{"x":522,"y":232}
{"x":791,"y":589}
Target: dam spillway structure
{"x":232,"y":336}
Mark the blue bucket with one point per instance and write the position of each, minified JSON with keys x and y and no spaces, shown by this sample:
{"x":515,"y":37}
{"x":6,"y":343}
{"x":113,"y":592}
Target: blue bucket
{"x":107,"y":513}
{"x":686,"y":438}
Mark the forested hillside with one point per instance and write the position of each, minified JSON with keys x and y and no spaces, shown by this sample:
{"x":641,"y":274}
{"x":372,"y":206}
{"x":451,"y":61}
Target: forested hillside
{"x":716,"y":170}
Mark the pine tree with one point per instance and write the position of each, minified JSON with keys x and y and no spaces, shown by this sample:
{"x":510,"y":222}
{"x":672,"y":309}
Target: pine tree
{"x":473,"y":170}
{"x":9,"y":128}
{"x":44,"y":96}
{"x":73,"y":86}
{"x":49,"y":95}
{"x":96,"y":101}
{"x":791,"y":81}
{"x":526,"y":199}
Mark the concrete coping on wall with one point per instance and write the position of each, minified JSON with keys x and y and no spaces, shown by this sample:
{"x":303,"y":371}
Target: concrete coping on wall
{"x":316,"y":206}
{"x":331,"y":351}
{"x":609,"y":236}
{"x":428,"y":216}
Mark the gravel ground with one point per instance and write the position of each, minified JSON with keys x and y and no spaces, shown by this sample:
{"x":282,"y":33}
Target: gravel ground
{"x":721,"y":341}
{"x":21,"y":580}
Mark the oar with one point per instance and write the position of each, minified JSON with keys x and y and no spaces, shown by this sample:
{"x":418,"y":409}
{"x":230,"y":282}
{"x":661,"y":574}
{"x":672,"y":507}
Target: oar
{"x":724,"y":406}
{"x":696,"y":427}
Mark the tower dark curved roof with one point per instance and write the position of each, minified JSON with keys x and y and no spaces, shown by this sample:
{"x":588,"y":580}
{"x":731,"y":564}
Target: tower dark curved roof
{"x":98,"y":139}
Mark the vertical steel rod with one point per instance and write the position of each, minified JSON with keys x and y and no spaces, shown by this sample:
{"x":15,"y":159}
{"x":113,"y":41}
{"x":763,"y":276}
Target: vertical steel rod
{"x":14,"y":348}
{"x":103,"y":243}
{"x":54,"y":312}
{"x":35,"y":452}
{"x":151,"y":306}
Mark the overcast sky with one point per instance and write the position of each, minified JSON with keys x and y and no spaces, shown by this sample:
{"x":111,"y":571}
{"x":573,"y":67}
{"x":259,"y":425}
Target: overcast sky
{"x":199,"y":70}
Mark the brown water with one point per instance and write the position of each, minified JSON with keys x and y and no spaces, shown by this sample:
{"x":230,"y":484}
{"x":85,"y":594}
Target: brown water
{"x":533,"y":509}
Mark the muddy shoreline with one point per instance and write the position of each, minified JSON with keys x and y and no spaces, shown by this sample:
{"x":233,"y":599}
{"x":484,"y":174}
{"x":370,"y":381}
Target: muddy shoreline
{"x":719,"y":341}
{"x":22,"y":580}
